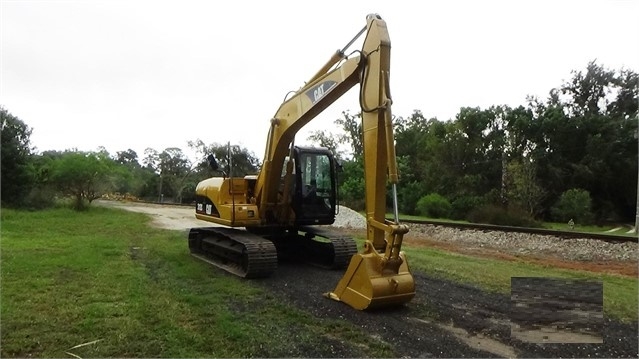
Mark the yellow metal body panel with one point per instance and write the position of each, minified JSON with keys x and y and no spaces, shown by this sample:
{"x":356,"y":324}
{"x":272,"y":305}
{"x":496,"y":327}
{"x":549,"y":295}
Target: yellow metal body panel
{"x":230,"y":202}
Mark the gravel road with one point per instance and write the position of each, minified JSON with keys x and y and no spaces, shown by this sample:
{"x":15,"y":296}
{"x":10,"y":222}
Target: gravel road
{"x":445,"y":319}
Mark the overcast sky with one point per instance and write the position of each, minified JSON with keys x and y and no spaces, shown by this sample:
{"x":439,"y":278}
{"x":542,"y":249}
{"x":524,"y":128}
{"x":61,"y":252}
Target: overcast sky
{"x":137,"y":74}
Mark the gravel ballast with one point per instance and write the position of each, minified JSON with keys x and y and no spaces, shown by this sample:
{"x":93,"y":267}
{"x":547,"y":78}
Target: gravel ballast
{"x":574,"y":249}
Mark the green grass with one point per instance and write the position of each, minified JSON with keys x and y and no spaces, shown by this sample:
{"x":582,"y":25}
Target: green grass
{"x":105,"y":275}
{"x":620,"y":293}
{"x":609,"y":229}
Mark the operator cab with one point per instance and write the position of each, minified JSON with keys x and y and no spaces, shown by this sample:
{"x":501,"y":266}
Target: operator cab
{"x":314,"y":194}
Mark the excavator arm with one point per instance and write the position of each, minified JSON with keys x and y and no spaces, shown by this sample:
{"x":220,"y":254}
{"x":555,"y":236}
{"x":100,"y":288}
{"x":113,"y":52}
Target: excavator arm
{"x":378,"y":276}
{"x":324,"y":88}
{"x":292,"y":115}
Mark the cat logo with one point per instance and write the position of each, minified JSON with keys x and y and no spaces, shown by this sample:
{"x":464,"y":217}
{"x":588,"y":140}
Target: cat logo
{"x":320,"y":90}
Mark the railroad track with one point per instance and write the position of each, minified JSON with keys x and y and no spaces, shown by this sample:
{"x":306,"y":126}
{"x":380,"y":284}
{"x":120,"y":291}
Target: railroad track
{"x":612,"y":238}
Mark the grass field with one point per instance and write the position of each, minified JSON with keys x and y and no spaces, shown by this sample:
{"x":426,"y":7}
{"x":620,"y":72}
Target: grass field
{"x":105,"y":277}
{"x":621,"y":230}
{"x":71,"y":278}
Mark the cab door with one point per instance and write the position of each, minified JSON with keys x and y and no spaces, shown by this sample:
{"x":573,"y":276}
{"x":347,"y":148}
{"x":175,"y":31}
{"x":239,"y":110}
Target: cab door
{"x":315,"y":187}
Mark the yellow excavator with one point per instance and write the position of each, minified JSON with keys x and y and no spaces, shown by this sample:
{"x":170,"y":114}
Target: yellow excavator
{"x":283,"y":211}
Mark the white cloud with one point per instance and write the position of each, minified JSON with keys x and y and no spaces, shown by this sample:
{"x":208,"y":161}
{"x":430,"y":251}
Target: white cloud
{"x":137,"y":74}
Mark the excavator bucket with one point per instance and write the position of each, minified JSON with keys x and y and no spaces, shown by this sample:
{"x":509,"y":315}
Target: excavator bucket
{"x":372,"y":282}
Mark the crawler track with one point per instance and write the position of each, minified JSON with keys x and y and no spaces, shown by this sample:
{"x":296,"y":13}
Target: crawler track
{"x":336,"y":248}
{"x":251,"y":255}
{"x":235,"y":251}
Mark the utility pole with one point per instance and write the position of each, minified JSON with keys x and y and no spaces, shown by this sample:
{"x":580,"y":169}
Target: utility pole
{"x":637,"y":209}
{"x":160,"y":194}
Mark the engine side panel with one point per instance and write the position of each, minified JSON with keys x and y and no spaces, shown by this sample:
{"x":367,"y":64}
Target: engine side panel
{"x":225,"y":201}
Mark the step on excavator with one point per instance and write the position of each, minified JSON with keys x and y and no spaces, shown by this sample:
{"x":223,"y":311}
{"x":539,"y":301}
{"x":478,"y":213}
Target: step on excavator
{"x":283,"y":211}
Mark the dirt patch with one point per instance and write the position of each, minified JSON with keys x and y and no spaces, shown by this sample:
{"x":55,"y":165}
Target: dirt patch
{"x":479,"y":342}
{"x":163,"y":216}
{"x":552,"y":335}
{"x":445,"y":319}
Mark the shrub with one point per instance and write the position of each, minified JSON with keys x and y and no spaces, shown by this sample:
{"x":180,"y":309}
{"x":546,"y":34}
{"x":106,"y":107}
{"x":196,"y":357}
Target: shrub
{"x":40,"y":197}
{"x":408,"y":195}
{"x":461,"y":206}
{"x":434,"y":206}
{"x":491,"y":214}
{"x":573,"y":204}
{"x":352,"y":193}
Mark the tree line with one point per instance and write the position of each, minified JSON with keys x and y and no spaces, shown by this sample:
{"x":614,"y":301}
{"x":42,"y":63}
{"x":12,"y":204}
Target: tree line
{"x":41,"y":180}
{"x":570,"y":156}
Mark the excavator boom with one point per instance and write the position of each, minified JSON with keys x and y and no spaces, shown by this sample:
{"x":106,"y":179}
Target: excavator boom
{"x":379,"y":276}
{"x":276,"y":205}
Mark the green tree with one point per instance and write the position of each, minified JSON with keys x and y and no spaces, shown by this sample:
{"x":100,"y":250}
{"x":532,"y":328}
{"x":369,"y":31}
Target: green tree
{"x":16,"y":178}
{"x":244,"y":161}
{"x":134,"y":181}
{"x":522,"y":186}
{"x":327,"y":140}
{"x":44,"y":192}
{"x":420,"y":158}
{"x":175,"y":169}
{"x":573,"y":204}
{"x":352,"y":188}
{"x":85,"y":176}
{"x":144,"y":183}
{"x":352,"y":127}
{"x":583,"y":137}
{"x":586,"y":92}
{"x":128,"y":158}
{"x":481,"y":146}
{"x":151,"y":159}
